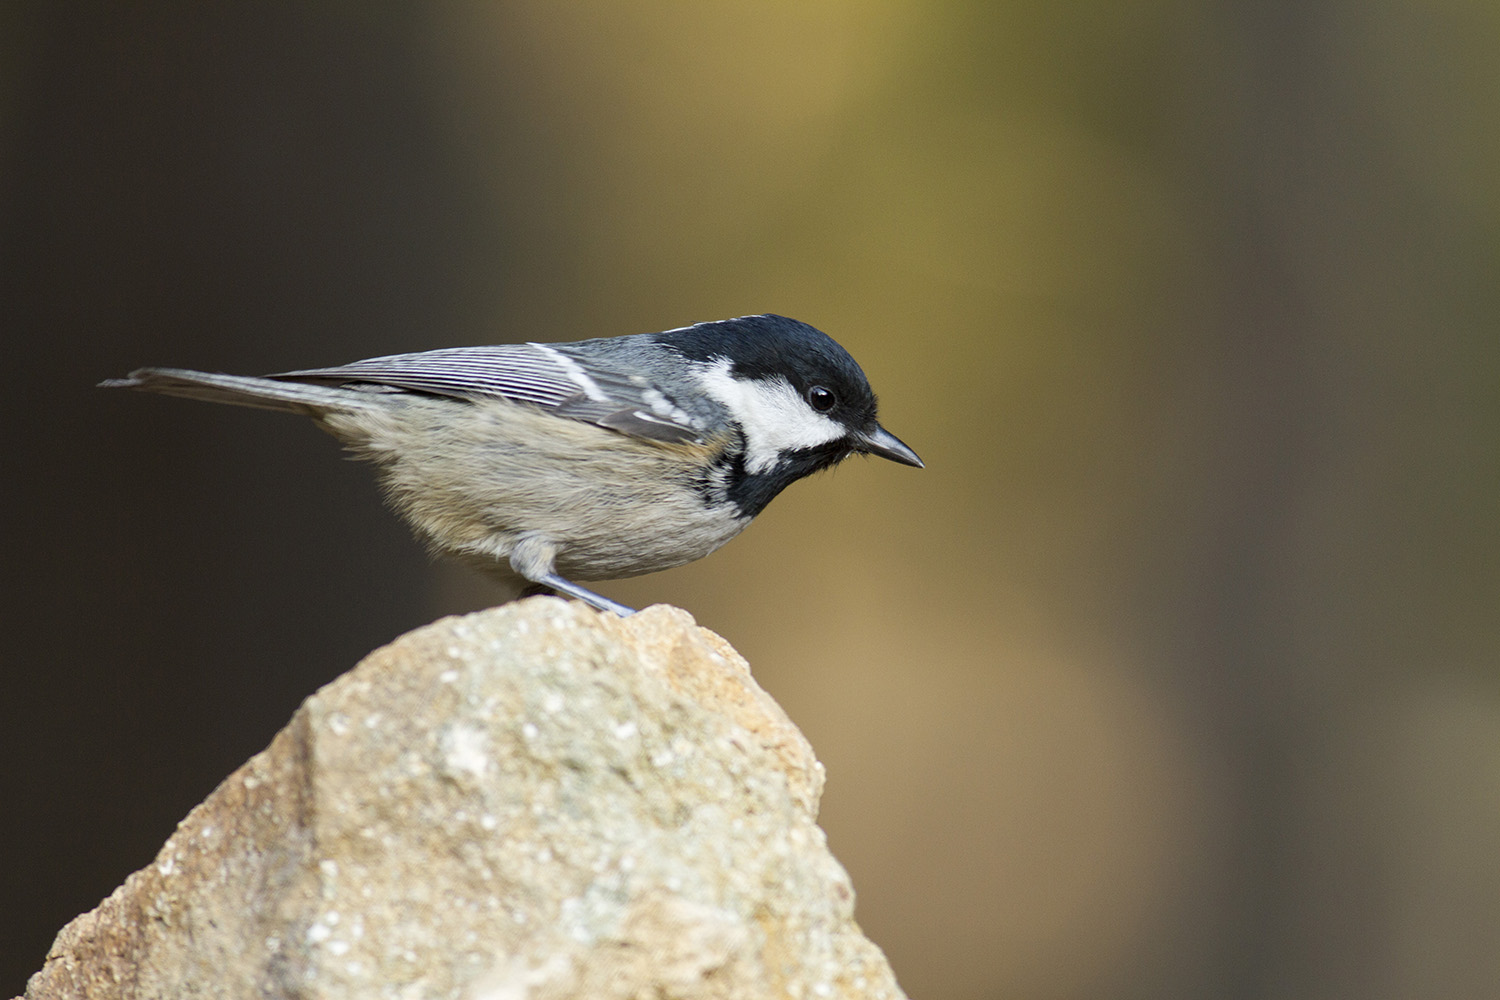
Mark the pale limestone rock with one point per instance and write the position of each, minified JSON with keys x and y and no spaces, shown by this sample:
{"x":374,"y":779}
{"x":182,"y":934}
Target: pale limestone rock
{"x":535,"y":802}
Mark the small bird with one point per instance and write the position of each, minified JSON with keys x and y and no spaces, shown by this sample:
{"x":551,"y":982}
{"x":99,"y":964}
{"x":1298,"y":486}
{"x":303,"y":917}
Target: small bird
{"x":545,"y":464}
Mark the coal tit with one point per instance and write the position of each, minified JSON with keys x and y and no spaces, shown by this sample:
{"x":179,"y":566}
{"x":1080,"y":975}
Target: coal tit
{"x":550,"y":463}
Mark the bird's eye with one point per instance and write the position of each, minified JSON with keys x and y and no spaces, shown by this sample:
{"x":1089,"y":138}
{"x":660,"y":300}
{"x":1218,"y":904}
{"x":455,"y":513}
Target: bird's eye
{"x":821,"y":399}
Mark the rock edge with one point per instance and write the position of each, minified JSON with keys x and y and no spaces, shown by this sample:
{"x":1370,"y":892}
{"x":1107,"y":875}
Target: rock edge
{"x":535,"y":801}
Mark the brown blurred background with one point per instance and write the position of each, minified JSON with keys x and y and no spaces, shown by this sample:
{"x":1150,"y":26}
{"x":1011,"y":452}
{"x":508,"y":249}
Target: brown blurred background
{"x":1176,"y":673}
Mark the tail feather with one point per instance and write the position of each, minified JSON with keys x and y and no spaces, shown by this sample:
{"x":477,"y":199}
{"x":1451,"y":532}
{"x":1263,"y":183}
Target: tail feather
{"x":240,"y":390}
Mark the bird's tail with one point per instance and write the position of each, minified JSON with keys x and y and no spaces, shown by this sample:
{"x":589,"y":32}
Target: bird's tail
{"x":242,"y":390}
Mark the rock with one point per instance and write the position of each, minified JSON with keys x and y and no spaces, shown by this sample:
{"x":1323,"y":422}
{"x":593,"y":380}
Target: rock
{"x":536,"y":801}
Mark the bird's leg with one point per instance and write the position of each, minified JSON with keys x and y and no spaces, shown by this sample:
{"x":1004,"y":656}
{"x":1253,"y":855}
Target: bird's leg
{"x":533,"y":557}
{"x":570,"y":589}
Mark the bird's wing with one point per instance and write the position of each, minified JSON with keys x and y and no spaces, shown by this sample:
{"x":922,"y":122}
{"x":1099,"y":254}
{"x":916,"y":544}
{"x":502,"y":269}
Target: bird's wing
{"x":570,"y":385}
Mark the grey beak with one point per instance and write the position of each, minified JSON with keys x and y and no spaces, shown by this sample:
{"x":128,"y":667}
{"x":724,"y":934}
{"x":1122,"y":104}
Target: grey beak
{"x":887,"y":445}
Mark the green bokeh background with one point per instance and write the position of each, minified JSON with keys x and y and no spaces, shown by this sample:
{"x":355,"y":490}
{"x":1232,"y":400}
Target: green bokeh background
{"x":1173,"y":674}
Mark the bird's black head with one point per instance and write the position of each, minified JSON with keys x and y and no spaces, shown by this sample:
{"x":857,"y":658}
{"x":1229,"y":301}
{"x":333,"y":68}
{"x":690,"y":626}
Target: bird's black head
{"x":767,"y":348}
{"x":799,"y":400}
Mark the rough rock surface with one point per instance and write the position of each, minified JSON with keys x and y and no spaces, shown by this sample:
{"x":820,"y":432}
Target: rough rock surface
{"x":536,"y":801}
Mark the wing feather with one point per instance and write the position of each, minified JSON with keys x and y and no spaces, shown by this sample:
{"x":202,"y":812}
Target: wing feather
{"x":580,"y":388}
{"x":512,"y":371}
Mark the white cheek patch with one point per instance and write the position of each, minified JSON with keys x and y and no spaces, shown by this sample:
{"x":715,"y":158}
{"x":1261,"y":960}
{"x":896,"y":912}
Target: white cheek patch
{"x":773,"y":417}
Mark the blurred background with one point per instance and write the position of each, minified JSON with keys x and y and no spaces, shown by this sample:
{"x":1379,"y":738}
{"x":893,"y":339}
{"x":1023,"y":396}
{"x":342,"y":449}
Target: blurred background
{"x":1175,"y":673}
